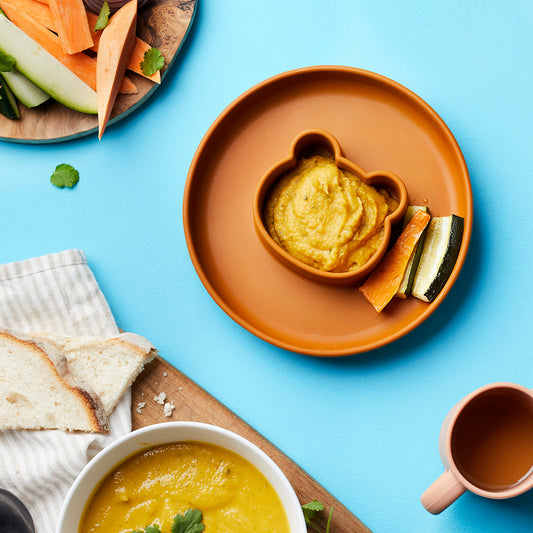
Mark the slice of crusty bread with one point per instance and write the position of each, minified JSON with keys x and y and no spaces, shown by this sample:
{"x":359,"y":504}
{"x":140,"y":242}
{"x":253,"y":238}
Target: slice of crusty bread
{"x":108,"y":367}
{"x":37,"y":391}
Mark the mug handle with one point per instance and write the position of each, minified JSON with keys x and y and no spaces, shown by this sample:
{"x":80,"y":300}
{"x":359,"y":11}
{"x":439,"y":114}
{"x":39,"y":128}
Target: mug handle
{"x":442,"y":493}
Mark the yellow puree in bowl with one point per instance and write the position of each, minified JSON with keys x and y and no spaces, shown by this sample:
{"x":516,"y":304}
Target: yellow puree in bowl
{"x":326,"y":217}
{"x":155,"y":485}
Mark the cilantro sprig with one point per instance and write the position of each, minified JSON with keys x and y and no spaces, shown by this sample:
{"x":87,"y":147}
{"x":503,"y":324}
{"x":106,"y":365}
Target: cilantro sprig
{"x":188,"y":522}
{"x":310,"y":509}
{"x":103,"y":17}
{"x":153,"y":61}
{"x":65,"y":175}
{"x":149,"y":529}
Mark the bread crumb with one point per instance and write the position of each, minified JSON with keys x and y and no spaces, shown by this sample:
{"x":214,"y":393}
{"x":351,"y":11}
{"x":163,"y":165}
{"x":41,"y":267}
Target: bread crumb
{"x":165,"y":374}
{"x":160,"y":399}
{"x":168,"y":408}
{"x":140,"y":407}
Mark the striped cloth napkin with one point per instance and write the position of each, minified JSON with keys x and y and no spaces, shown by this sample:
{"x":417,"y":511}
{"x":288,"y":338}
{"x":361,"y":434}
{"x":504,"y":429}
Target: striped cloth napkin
{"x":57,"y":293}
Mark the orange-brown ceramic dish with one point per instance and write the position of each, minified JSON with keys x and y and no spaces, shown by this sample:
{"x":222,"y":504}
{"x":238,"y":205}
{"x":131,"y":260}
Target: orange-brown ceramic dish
{"x":380,"y":125}
{"x":311,"y":141}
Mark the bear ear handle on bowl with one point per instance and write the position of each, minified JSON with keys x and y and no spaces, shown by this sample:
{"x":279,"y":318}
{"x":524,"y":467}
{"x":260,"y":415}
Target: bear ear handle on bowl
{"x":311,"y":142}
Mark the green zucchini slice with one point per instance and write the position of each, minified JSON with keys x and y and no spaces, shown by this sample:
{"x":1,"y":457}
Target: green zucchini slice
{"x":408,"y":278}
{"x":8,"y":102}
{"x":441,"y":248}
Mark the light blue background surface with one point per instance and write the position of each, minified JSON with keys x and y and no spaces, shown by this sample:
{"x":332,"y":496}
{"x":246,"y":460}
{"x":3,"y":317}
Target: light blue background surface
{"x":365,"y":426}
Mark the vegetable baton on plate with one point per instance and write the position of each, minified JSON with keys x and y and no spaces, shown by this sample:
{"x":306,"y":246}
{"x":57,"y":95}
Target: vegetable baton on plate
{"x":114,"y":51}
{"x":439,"y":255}
{"x":384,"y":281}
{"x":72,"y":25}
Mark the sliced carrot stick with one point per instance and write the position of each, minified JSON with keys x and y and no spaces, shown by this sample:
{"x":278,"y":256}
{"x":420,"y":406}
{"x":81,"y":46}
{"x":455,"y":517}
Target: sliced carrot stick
{"x":80,"y":64}
{"x":383,"y":282}
{"x":116,"y":44}
{"x":33,"y":28}
{"x":137,"y":57}
{"x":72,"y":25}
{"x":137,"y":54}
{"x":128,"y":87}
{"x":32,"y":8}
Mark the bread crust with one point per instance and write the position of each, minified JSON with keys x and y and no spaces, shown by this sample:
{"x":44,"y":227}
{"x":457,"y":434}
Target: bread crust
{"x":55,"y":368}
{"x":107,"y":366}
{"x":95,"y":372}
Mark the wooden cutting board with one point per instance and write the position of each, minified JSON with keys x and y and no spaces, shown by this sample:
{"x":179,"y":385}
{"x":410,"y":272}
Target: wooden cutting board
{"x":192,"y":403}
{"x":164,"y":24}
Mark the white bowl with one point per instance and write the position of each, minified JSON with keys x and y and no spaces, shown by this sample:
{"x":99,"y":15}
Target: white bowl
{"x":165,"y":433}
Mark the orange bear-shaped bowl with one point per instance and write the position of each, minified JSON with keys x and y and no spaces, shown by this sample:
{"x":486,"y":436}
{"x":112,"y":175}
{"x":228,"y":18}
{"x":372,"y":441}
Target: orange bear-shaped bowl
{"x":313,"y":141}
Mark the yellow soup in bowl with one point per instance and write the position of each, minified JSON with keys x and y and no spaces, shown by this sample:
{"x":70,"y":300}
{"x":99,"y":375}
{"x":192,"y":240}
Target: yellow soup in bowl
{"x":154,"y":485}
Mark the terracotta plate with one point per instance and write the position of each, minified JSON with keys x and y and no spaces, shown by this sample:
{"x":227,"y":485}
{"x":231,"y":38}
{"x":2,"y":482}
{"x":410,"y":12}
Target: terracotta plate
{"x":380,"y":126}
{"x":164,"y":24}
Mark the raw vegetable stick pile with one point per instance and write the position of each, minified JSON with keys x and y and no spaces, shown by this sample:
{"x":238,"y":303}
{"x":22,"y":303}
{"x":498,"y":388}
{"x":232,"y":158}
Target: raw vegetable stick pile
{"x":71,"y":34}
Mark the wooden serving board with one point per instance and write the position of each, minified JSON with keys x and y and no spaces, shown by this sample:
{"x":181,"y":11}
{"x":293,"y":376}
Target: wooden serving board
{"x":164,"y":24}
{"x":195,"y":404}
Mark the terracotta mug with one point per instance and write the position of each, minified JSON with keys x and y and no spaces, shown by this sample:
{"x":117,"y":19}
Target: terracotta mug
{"x":486,"y":446}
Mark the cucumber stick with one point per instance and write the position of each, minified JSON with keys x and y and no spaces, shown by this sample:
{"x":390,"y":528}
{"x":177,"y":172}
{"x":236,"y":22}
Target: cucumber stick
{"x":26,"y":92}
{"x":441,"y":248}
{"x":46,"y":71}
